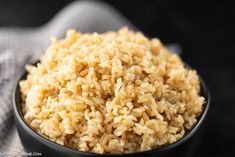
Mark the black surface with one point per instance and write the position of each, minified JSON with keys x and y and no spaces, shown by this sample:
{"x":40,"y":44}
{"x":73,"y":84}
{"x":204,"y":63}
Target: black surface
{"x":205,"y":30}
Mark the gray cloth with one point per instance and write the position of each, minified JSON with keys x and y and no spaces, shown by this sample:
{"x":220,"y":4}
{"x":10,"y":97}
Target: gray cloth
{"x":19,"y":46}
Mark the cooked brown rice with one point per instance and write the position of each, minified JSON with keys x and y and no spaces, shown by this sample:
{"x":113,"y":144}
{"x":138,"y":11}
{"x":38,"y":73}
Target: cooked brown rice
{"x":116,"y":92}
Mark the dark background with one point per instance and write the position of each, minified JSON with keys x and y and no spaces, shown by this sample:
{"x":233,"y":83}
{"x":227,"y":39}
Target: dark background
{"x":204,"y":29}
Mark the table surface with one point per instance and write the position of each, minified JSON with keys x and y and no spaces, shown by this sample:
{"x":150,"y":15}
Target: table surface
{"x":205,"y":30}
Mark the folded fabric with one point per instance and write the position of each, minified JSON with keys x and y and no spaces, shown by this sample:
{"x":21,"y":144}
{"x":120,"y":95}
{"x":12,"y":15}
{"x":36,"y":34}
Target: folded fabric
{"x":19,"y":46}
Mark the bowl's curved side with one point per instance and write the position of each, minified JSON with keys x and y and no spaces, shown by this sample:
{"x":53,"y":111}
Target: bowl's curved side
{"x":32,"y":141}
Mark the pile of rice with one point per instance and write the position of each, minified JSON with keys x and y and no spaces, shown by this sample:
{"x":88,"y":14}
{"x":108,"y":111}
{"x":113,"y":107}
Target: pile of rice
{"x":117,"y":92}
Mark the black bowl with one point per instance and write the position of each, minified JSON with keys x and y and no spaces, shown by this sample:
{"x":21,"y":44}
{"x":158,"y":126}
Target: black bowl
{"x":37,"y":145}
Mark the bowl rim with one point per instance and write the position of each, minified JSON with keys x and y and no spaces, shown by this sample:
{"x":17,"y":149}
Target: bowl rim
{"x":19,"y":117}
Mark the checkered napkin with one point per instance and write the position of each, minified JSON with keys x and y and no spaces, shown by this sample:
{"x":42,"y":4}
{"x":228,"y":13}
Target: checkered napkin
{"x":19,"y":46}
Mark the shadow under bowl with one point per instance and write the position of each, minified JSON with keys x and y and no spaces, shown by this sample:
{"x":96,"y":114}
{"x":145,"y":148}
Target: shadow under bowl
{"x":36,"y":144}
